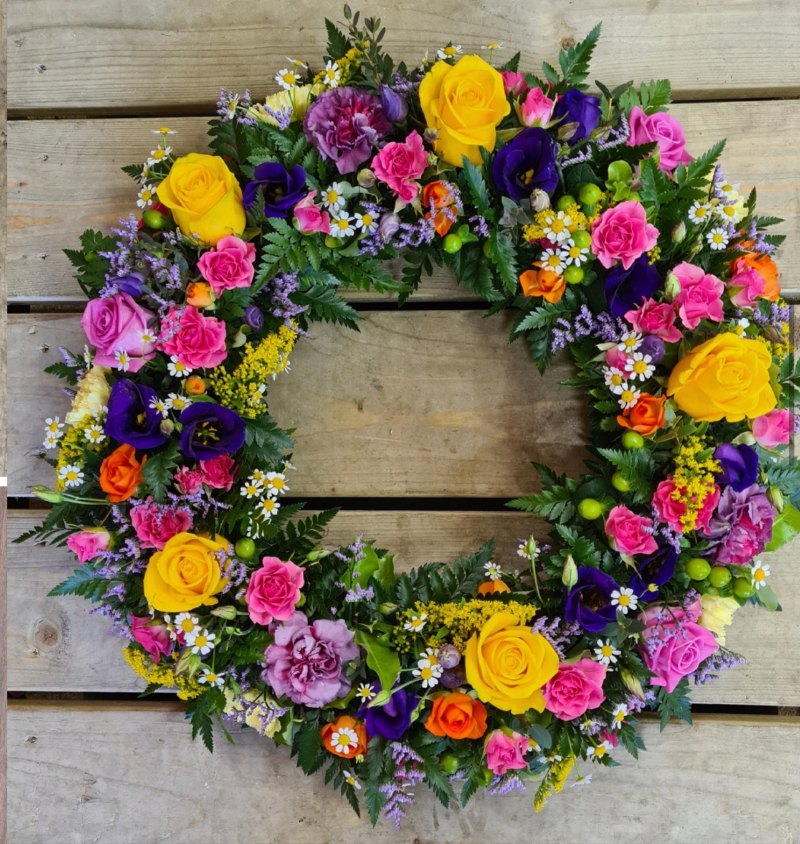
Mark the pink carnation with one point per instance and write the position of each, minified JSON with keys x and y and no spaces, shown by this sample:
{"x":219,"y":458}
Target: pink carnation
{"x":310,"y":217}
{"x":506,"y":753}
{"x":656,"y":319}
{"x":115,"y":324}
{"x":537,"y":108}
{"x":700,"y":296}
{"x":773,"y":428}
{"x":670,"y":511}
{"x":218,"y":472}
{"x":88,"y":544}
{"x":514,"y":82}
{"x":399,"y":165}
{"x":273,"y":591}
{"x":155,"y":524}
{"x":665,"y":130}
{"x":154,"y":638}
{"x":231,"y":263}
{"x":629,"y":532}
{"x":188,"y":480}
{"x":622,"y":233}
{"x":575,"y":688}
{"x":199,"y":341}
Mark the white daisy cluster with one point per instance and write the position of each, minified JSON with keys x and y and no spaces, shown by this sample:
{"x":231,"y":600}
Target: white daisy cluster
{"x":53,"y":431}
{"x":343,"y":224}
{"x":264,"y":488}
{"x":172,"y":402}
{"x":428,"y":670}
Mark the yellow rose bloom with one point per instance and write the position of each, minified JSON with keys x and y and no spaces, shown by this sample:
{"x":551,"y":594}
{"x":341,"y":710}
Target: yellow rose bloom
{"x":204,"y":197}
{"x":464,"y":103}
{"x":185,"y":574}
{"x":92,"y":395}
{"x":717,"y":614}
{"x":507,"y":665}
{"x":727,"y":377}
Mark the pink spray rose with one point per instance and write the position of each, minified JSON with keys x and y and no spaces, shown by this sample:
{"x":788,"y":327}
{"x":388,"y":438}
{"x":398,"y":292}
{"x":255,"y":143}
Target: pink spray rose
{"x":773,"y":428}
{"x":628,"y":532}
{"x":230,"y":264}
{"x":537,"y":108}
{"x":218,"y":472}
{"x":156,"y":524}
{"x":622,"y":233}
{"x":116,"y":324}
{"x":274,"y":590}
{"x":674,"y":644}
{"x":199,"y":341}
{"x":670,"y":511}
{"x":655,"y":319}
{"x":617,"y":358}
{"x":154,"y":638}
{"x":700,"y":296}
{"x":745,"y":287}
{"x":666,"y":131}
{"x":575,"y":688}
{"x":311,"y":218}
{"x":514,"y":82}
{"x":88,"y":544}
{"x":400,"y":164}
{"x":188,"y":480}
{"x":506,"y":753}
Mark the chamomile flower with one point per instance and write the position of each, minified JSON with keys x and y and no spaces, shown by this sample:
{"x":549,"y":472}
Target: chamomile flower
{"x":201,"y":641}
{"x":53,"y":427}
{"x":350,"y":779}
{"x":639,"y":366}
{"x":258,"y":475}
{"x":94,"y":434}
{"x":624,"y":599}
{"x":597,"y":753}
{"x":177,"y":402}
{"x":71,"y":475}
{"x":177,"y":368}
{"x":296,"y":63}
{"x":331,"y":75}
{"x":628,"y":396}
{"x":275,"y":484}
{"x":759,"y":572}
{"x":333,"y":196}
{"x":741,"y":325}
{"x":163,"y":130}
{"x":448,"y":52}
{"x":161,"y":405}
{"x":211,"y":679}
{"x":365,"y":692}
{"x":582,"y":780}
{"x":572,"y":254}
{"x":146,"y":196}
{"x":251,"y":489}
{"x":366,"y":222}
{"x":493,"y":571}
{"x":417,"y":623}
{"x":699,"y":213}
{"x":492,"y":45}
{"x":428,"y":673}
{"x":159,"y":155}
{"x":342,"y":225}
{"x":186,"y":623}
{"x":144,"y":176}
{"x":618,"y":715}
{"x":286,"y":78}
{"x":557,"y":230}
{"x":147,"y":336}
{"x":717,"y":238}
{"x":344,"y":741}
{"x":630,"y":342}
{"x":614,"y":379}
{"x":50,"y":440}
{"x":123,"y":361}
{"x":552,"y":260}
{"x":529,"y":549}
{"x":731,"y":212}
{"x":231,"y":107}
{"x":605,"y":652}
{"x":267,"y":508}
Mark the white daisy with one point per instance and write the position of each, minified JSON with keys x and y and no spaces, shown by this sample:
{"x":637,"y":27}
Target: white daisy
{"x":187,"y":623}
{"x":71,"y":475}
{"x":352,"y":781}
{"x":232,"y":105}
{"x":699,"y":212}
{"x":574,"y":254}
{"x":428,"y":673}
{"x":717,"y":238}
{"x":331,"y":75}
{"x":624,"y":598}
{"x":582,"y":780}
{"x":163,"y":406}
{"x":493,"y":571}
{"x":342,"y":225}
{"x":491,"y":46}
{"x":286,"y":78}
{"x":600,"y":751}
{"x":614,"y":379}
{"x":258,"y":475}
{"x":94,"y":434}
{"x":732,"y":212}
{"x":759,"y":572}
{"x":163,"y":130}
{"x":333,"y":196}
{"x":296,"y":63}
{"x":123,"y":361}
{"x":268,"y":507}
{"x":177,"y":368}
{"x":639,"y":366}
{"x":54,"y":426}
{"x":157,"y":156}
{"x":144,"y":176}
{"x":275,"y":484}
{"x":251,"y":489}
{"x":201,"y":641}
{"x":177,"y":402}
{"x":147,"y":336}
{"x":343,"y":741}
{"x":628,"y":396}
{"x":365,"y":692}
{"x":557,"y":230}
{"x":552,"y":260}
{"x":50,"y":440}
{"x":525,"y":551}
{"x":366,"y":222}
{"x":448,"y":52}
{"x":146,"y":196}
{"x":210,"y":678}
{"x":605,"y":652}
{"x":630,"y":342}
{"x":742,"y":325}
{"x":618,"y":715}
{"x":417,"y":623}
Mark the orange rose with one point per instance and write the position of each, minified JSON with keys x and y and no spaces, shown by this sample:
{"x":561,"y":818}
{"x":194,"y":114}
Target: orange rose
{"x":458,"y":716}
{"x":491,"y":587}
{"x":199,"y":294}
{"x":765,"y":267}
{"x":646,"y":416}
{"x":346,"y":737}
{"x":441,"y":196}
{"x":121,"y":473}
{"x":543,"y":283}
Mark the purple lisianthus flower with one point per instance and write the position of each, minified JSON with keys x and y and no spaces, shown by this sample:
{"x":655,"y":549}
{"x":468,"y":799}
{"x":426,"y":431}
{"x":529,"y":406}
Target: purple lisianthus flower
{"x":210,"y":430}
{"x":305,"y":662}
{"x":345,"y":124}
{"x":253,"y":318}
{"x":654,"y":571}
{"x":282,"y":189}
{"x":741,"y":525}
{"x":132,"y":283}
{"x":392,"y":719}
{"x":627,"y":289}
{"x":653,"y":346}
{"x":738,"y":466}
{"x":589,"y":600}
{"x":580,"y":108}
{"x":131,"y":418}
{"x":394,"y":105}
{"x":525,"y":164}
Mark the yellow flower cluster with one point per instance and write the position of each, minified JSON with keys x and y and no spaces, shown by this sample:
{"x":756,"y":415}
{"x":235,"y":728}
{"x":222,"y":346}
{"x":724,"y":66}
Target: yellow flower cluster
{"x":244,"y":389}
{"x":578,"y":220}
{"x":693,"y":478}
{"x":350,"y":61}
{"x":776,"y":350}
{"x":653,"y":255}
{"x":73,"y":444}
{"x":553,"y":781}
{"x":161,"y":673}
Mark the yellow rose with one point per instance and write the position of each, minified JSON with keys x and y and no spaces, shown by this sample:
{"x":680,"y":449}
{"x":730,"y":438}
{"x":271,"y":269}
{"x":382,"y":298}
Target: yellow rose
{"x":507,"y":665}
{"x":185,"y":574}
{"x":717,"y":614}
{"x":297,"y":99}
{"x":204,"y":197}
{"x":92,"y":395}
{"x":727,"y":377}
{"x":464,"y":103}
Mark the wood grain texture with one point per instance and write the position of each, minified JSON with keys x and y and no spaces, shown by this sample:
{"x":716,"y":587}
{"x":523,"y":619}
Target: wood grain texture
{"x":55,"y":645}
{"x":126,"y":773}
{"x":155,"y":56}
{"x":64,"y":177}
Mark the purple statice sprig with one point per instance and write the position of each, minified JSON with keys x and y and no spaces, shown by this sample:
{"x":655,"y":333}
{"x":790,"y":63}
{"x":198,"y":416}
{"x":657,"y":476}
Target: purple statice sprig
{"x":604,"y":327}
{"x":279,"y":290}
{"x":408,"y":773}
{"x":721,"y":660}
{"x":558,"y":634}
{"x":506,"y":784}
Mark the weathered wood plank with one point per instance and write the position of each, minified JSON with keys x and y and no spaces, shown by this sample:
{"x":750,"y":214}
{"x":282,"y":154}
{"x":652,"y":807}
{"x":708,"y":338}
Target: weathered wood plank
{"x":56,"y":189}
{"x":123,"y":773}
{"x":147,"y":57}
{"x":55,"y":645}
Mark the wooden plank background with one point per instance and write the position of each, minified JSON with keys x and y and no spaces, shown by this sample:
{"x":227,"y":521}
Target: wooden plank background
{"x":422,"y":404}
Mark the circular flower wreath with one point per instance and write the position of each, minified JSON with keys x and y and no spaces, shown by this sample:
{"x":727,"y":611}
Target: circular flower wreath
{"x":587,"y":217}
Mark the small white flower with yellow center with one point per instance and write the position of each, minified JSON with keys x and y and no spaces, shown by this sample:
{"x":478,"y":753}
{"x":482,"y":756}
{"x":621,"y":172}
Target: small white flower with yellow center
{"x":365,"y":692}
{"x":161,"y":405}
{"x":146,"y":196}
{"x":232,"y":106}
{"x":582,"y":780}
{"x":147,"y":336}
{"x":201,"y":642}
{"x":552,"y":260}
{"x":572,"y":254}
{"x":628,"y":396}
{"x":639,"y":366}
{"x":741,"y":325}
{"x":428,"y":673}
{"x":71,"y":475}
{"x":605,"y":652}
{"x":177,"y":402}
{"x":123,"y":361}
{"x":186,"y":623}
{"x":448,"y":52}
{"x":144,"y":176}
{"x":275,"y":484}
{"x":163,"y":130}
{"x":296,"y":63}
{"x":178,"y":369}
{"x":268,"y":507}
{"x":286,"y":78}
{"x":350,"y":779}
{"x":597,"y":753}
{"x":344,"y":741}
{"x":50,"y":440}
{"x":333,"y":196}
{"x":529,"y":549}
{"x":158,"y":156}
{"x":624,"y":599}
{"x":331,"y":75}
{"x":210,"y":678}
{"x":731,"y":212}
{"x":557,"y":230}
{"x":493,"y":571}
{"x":52,"y":432}
{"x":492,"y":45}
{"x":258,"y":475}
{"x":251,"y":488}
{"x":614,"y":379}
{"x":366,"y":222}
{"x":717,"y":238}
{"x":630,"y":342}
{"x":618,"y":715}
{"x":759,"y":572}
{"x":699,"y":213}
{"x":417,"y":623}
{"x":342,"y":225}
{"x":94,"y":434}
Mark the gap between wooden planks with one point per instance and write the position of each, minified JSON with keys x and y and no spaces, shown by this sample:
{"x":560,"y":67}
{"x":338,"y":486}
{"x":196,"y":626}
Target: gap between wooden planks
{"x":64,"y":176}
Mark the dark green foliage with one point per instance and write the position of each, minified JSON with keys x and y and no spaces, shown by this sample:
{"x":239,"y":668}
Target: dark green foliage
{"x":159,"y":470}
{"x":84,"y":581}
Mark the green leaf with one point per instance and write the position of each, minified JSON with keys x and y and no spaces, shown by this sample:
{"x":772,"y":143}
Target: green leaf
{"x":439,"y":782}
{"x":338,"y":44}
{"x":675,"y":703}
{"x":159,"y":468}
{"x":380,"y":658}
{"x":85,"y":582}
{"x":785,"y":528}
{"x":471,"y":784}
{"x":265,"y":442}
{"x":574,"y":62}
{"x":307,"y":746}
{"x":541,"y":736}
{"x":477,"y":187}
{"x":504,"y":256}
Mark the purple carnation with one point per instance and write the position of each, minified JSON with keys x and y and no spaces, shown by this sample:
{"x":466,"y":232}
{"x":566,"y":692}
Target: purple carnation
{"x":305,"y":663}
{"x":345,"y":124}
{"x":589,"y":600}
{"x":392,"y":719}
{"x":742,"y":525}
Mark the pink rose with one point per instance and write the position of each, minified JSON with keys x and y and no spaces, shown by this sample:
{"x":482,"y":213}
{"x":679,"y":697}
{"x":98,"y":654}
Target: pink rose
{"x":773,"y":428}
{"x":274,"y":591}
{"x":230,"y":264}
{"x":537,"y":109}
{"x":311,"y":218}
{"x":746,"y":286}
{"x":574,"y":689}
{"x":617,"y":358}
{"x":628,"y":532}
{"x":506,"y":753}
{"x":670,"y":511}
{"x":154,"y":638}
{"x":218,"y":472}
{"x":655,"y":319}
{"x":514,"y":82}
{"x":116,"y":324}
{"x":400,"y":164}
{"x":188,"y":480}
{"x":674,"y":644}
{"x":622,"y":233}
{"x":665,"y":130}
{"x":199,"y":341}
{"x":88,"y":544}
{"x":700,"y":296}
{"x":155,"y":524}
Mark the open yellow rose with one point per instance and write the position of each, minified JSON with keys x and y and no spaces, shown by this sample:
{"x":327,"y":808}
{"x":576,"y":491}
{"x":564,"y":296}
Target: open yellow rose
{"x":185,"y":574}
{"x":727,"y":377}
{"x":204,"y":197}
{"x":464,"y":103}
{"x":507,"y":665}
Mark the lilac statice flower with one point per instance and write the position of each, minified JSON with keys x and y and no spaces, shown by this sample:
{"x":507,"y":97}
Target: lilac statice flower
{"x":280,"y":288}
{"x":408,"y":773}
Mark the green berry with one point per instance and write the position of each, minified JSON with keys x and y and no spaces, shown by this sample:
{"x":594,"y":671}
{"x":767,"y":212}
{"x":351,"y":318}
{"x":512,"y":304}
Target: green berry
{"x":709,"y":590}
{"x":719,"y":577}
{"x":90,"y":256}
{"x":582,"y":238}
{"x":620,"y":171}
{"x":743,"y":589}
{"x":589,"y":194}
{"x":697,"y":568}
{"x":452,"y":243}
{"x":245,"y":548}
{"x":590,"y":508}
{"x":450,"y":763}
{"x":485,"y":776}
{"x":620,"y":482}
{"x":332,"y":242}
{"x":154,"y":219}
{"x":565,"y":202}
{"x":487,"y":248}
{"x":632,"y":439}
{"x":574,"y":275}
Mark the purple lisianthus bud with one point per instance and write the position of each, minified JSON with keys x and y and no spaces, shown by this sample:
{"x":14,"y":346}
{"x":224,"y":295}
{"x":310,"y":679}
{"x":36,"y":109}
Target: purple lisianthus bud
{"x":393,"y":104}
{"x":448,"y":656}
{"x":452,"y":678}
{"x":388,"y":226}
{"x":253,"y":318}
{"x":653,"y":346}
{"x":132,"y":283}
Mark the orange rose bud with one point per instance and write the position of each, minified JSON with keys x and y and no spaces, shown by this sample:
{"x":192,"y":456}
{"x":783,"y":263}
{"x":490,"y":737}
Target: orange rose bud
{"x":765,"y":267}
{"x":490,"y":587}
{"x":442,"y":196}
{"x":543,"y":283}
{"x":121,"y":473}
{"x":195,"y":386}
{"x":199,"y":294}
{"x":346,"y":737}
{"x":646,"y":416}
{"x":458,"y":716}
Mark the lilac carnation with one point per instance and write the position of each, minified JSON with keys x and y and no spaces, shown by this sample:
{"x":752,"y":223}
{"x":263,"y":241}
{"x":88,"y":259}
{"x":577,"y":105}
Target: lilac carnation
{"x":742,"y":525}
{"x":305,"y":663}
